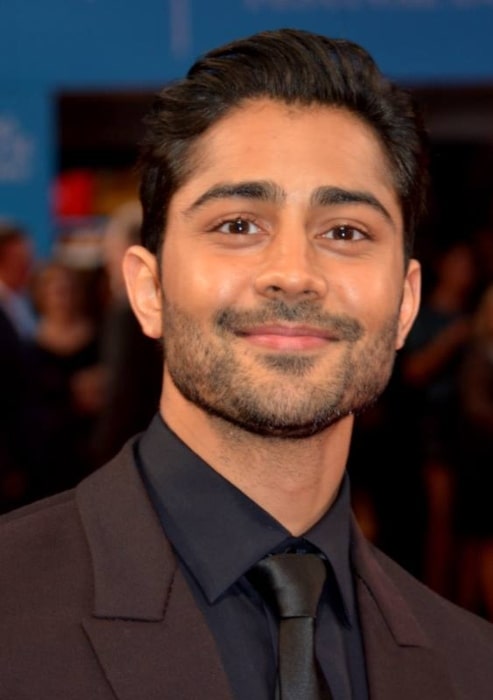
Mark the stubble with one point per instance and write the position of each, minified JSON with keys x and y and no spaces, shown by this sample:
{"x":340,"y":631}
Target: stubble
{"x":272,"y":393}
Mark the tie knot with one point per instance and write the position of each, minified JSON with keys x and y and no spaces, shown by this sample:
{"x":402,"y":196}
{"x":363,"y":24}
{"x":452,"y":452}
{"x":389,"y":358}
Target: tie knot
{"x":291,"y":583}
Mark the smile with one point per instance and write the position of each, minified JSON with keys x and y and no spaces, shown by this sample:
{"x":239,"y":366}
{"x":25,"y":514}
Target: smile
{"x":288,"y":338}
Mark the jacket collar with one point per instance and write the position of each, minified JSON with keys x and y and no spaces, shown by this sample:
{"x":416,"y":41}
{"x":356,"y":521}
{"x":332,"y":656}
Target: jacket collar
{"x":152,"y":640}
{"x":145,"y":628}
{"x":400,"y":660}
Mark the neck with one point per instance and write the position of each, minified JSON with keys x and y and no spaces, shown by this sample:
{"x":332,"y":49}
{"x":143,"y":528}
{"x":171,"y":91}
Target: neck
{"x":295,"y":480}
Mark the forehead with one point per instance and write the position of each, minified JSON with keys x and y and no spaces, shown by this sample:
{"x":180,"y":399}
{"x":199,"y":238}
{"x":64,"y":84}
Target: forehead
{"x":259,"y":128}
{"x":297,"y":146}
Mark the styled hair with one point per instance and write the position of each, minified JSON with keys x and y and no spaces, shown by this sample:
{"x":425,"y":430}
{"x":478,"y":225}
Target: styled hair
{"x":294,"y":67}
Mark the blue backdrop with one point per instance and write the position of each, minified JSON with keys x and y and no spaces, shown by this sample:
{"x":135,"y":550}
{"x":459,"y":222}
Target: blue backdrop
{"x":50,"y":45}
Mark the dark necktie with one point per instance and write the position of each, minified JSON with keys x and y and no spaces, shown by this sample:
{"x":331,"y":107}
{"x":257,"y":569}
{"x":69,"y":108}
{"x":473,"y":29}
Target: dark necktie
{"x":292,"y":584}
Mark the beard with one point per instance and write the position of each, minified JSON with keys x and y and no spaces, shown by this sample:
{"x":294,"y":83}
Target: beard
{"x":271,"y":393}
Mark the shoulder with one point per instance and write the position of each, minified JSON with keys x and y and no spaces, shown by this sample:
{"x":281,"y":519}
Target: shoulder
{"x":43,"y":554}
{"x":48,"y":537}
{"x":461,"y":642}
{"x":46,"y":591}
{"x":58,"y":517}
{"x":47,"y":548}
{"x":32,"y":519}
{"x":443,"y":620}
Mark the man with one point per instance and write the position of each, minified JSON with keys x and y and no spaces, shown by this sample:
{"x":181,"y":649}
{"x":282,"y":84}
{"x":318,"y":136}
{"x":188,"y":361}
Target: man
{"x":16,"y":329}
{"x":282,"y":182}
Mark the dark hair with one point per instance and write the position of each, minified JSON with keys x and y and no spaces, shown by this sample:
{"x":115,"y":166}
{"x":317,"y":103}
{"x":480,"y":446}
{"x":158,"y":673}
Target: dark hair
{"x":294,"y":67}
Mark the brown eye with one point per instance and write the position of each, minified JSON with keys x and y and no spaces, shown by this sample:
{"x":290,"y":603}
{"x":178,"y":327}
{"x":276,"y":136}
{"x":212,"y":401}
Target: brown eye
{"x":239,"y":226}
{"x":345,"y":233}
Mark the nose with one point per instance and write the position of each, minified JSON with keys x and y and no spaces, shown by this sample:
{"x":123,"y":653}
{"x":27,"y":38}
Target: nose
{"x":291,"y":269}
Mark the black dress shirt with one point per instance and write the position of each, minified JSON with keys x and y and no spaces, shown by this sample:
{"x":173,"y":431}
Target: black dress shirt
{"x":218,"y":534}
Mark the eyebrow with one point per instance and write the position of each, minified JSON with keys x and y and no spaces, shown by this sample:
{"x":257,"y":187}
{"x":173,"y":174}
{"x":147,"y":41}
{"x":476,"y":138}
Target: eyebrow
{"x":267,"y":191}
{"x":330,"y":196}
{"x":261,"y":190}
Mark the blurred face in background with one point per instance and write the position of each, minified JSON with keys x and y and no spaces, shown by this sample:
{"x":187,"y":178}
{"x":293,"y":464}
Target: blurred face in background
{"x":16,"y":263}
{"x":457,"y":270}
{"x":57,"y":292}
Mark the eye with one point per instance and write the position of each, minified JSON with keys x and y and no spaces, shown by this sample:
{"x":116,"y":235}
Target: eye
{"x":344,"y":232}
{"x":238,"y":226}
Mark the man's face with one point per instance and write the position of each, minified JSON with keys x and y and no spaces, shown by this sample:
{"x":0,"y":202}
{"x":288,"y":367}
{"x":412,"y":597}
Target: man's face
{"x":284,"y":291}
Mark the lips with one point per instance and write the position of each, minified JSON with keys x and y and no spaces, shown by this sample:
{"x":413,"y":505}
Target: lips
{"x":284,"y":337}
{"x":280,"y":324}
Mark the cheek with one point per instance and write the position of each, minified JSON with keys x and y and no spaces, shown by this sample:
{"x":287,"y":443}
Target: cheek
{"x":371,"y":296}
{"x":201,"y":282}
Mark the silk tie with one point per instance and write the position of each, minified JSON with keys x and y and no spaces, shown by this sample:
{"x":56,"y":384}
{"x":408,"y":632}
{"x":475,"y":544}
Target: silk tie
{"x":292,"y":584}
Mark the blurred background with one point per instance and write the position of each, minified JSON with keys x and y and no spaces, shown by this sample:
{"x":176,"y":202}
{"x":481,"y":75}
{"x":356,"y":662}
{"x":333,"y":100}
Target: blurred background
{"x":76,"y":376}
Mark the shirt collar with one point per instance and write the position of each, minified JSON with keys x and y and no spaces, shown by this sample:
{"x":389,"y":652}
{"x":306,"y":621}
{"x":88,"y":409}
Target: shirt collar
{"x":217,"y":531}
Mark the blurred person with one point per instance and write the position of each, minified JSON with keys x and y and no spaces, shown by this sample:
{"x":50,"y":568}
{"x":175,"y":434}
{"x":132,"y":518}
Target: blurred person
{"x":16,"y":263}
{"x":282,"y":182}
{"x":17,"y":324}
{"x":389,"y":502}
{"x":474,"y":515}
{"x":131,"y":362}
{"x":429,"y":369}
{"x":65,"y":395}
{"x":482,"y":241}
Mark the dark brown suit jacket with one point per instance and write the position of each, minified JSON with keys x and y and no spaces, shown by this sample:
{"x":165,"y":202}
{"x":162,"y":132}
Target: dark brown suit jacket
{"x":93,"y":607}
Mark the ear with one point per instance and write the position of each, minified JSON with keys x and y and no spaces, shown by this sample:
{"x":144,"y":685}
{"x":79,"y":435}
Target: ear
{"x":411,"y":296}
{"x":140,"y":270}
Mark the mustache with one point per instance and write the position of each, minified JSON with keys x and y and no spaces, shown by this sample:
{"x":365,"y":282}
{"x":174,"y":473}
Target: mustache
{"x":277,"y":311}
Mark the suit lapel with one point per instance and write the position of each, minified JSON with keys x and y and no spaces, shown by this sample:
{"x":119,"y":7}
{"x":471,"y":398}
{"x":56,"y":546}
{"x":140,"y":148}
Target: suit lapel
{"x":151,"y":639}
{"x":399,"y":658}
{"x":146,"y":630}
